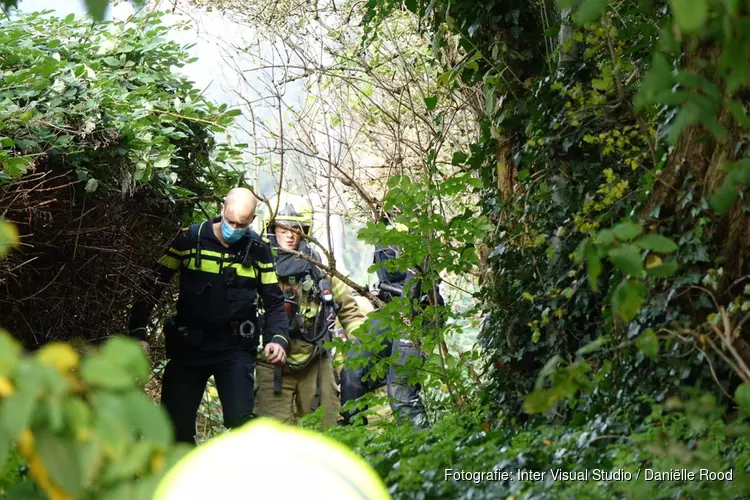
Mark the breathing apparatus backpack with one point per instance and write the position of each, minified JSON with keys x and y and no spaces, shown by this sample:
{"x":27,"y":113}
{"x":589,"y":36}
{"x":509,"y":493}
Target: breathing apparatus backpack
{"x":308,"y":298}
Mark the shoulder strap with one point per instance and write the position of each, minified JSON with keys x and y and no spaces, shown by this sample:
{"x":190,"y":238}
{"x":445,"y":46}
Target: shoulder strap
{"x":195,"y":232}
{"x":250,"y":254}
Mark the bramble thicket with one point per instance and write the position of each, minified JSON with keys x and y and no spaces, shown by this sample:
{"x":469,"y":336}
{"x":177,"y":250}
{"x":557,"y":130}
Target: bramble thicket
{"x":572,"y":173}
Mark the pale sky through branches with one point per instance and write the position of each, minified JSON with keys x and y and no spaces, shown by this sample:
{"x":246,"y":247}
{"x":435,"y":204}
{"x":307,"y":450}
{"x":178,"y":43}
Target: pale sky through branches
{"x":222,"y":70}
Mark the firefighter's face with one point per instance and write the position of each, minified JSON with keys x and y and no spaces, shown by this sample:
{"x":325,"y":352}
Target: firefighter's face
{"x":286,"y":238}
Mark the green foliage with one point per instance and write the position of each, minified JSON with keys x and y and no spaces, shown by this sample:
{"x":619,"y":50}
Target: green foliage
{"x":613,"y":166}
{"x":678,"y":434}
{"x":85,"y":432}
{"x":436,"y":246}
{"x":108,"y":104}
{"x":96,"y":8}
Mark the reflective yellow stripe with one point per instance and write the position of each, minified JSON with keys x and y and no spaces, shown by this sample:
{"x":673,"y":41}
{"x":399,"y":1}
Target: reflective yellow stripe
{"x":268,"y":277}
{"x":298,"y":359}
{"x":247,"y":272}
{"x":211,"y":253}
{"x":380,"y":411}
{"x":265,"y":265}
{"x":207,"y":266}
{"x":181,"y":253}
{"x":312,"y":310}
{"x":169,"y":262}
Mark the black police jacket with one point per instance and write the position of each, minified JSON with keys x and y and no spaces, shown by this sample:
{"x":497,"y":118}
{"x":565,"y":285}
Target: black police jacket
{"x":216,"y":289}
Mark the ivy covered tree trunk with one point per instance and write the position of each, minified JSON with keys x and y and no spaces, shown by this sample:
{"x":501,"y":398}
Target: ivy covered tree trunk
{"x":694,"y":171}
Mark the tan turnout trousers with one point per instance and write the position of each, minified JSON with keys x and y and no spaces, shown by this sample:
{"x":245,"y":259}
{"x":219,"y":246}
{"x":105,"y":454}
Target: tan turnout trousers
{"x":297,"y":392}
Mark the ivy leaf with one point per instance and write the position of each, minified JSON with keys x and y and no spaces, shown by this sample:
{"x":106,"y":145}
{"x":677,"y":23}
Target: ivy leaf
{"x":594,"y":267}
{"x":523,"y":174}
{"x":549,"y":367}
{"x":628,"y":298}
{"x":605,"y":237}
{"x":723,"y":199}
{"x":91,"y":185}
{"x":626,"y":231}
{"x":657,"y":82}
{"x":648,"y":344}
{"x":742,"y":397}
{"x":539,"y":401}
{"x":627,"y":259}
{"x":430,"y":102}
{"x":592,"y":346}
{"x":690,"y":15}
{"x":726,"y":196}
{"x":590,"y":11}
{"x":459,"y":158}
{"x":665,"y":270}
{"x":657,"y":243}
{"x":580,"y":252}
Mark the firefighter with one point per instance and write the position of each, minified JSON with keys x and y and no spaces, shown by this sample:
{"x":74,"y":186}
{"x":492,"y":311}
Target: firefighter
{"x":313,"y":302}
{"x":224,"y":267}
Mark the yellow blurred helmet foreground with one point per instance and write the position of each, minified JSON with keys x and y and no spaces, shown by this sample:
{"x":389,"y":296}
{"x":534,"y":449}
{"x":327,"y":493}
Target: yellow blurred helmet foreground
{"x":268,"y":459}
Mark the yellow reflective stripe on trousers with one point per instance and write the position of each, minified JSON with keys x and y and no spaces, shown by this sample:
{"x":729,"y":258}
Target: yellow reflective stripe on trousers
{"x":298,"y":359}
{"x":380,"y":411}
{"x":265,"y":265}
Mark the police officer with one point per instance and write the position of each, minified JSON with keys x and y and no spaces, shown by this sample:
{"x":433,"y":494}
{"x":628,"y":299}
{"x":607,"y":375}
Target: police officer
{"x":313,"y":303}
{"x":224,"y":266}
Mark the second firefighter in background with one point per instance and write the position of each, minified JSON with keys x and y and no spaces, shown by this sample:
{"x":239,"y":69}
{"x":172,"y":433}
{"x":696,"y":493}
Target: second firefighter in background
{"x":313,"y":302}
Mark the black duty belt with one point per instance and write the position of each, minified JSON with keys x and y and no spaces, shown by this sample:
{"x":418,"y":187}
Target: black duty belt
{"x":222,"y":332}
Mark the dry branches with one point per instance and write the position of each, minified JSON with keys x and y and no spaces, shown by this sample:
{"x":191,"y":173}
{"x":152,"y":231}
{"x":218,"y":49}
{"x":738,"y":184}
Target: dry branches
{"x":78,"y":269}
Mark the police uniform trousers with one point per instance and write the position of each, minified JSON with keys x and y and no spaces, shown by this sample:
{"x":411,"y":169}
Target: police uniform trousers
{"x":298,"y":389}
{"x":184,"y":383}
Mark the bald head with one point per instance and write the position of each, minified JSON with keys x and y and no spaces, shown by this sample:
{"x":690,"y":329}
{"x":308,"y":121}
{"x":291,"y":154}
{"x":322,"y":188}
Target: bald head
{"x":238,"y":208}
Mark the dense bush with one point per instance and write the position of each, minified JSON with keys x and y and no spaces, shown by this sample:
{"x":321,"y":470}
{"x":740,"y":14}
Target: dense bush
{"x":105,"y":151}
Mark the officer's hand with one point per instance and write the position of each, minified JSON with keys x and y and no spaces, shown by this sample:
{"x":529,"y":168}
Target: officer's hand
{"x":275,"y":354}
{"x":146,"y":347}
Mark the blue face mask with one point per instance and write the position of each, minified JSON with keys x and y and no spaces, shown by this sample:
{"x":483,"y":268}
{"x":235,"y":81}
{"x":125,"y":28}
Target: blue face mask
{"x":230,"y":234}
